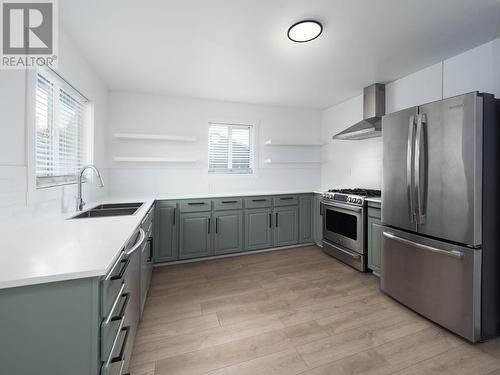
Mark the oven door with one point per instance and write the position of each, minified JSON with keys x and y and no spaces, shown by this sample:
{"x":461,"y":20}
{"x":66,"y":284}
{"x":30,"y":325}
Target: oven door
{"x":343,"y":225}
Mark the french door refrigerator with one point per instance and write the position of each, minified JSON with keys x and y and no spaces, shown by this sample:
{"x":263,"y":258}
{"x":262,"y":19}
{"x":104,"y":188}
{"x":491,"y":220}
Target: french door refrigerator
{"x":440,"y":208}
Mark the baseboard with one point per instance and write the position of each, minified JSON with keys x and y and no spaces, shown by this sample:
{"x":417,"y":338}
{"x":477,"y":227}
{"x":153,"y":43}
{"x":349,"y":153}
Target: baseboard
{"x":234,"y":255}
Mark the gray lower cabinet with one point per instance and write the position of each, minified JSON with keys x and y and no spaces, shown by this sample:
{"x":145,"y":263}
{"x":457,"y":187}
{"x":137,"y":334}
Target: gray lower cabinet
{"x":131,"y":319}
{"x":146,"y":270}
{"x":50,"y":328}
{"x":79,"y":327}
{"x":306,"y":227}
{"x":228,"y":235}
{"x":286,"y":226}
{"x":165,"y":247}
{"x":258,"y":228}
{"x":195,"y":235}
{"x":375,"y":230}
{"x":196,"y":228}
{"x":146,"y":255}
{"x":318,"y":220}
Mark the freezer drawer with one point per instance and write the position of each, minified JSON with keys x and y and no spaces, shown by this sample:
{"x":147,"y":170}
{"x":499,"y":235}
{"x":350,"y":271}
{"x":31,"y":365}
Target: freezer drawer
{"x":438,"y":280}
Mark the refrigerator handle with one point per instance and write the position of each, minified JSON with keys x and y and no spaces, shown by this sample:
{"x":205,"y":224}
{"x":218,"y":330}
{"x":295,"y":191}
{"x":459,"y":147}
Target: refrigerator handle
{"x":410,"y":167}
{"x":419,"y":182}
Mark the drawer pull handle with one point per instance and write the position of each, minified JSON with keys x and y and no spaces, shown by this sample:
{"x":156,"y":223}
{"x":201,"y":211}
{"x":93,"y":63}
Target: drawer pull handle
{"x":121,"y":314}
{"x":216,"y":225}
{"x":276,"y":220}
{"x":286,"y":198}
{"x":173,"y":217}
{"x":227,"y":202}
{"x":142,"y":236}
{"x":270,"y":221}
{"x":259,"y":200}
{"x":209,"y":225}
{"x":125,"y":262}
{"x":453,"y":253}
{"x":196,"y":203}
{"x":150,"y":240}
{"x":115,"y":304}
{"x":120,"y":356}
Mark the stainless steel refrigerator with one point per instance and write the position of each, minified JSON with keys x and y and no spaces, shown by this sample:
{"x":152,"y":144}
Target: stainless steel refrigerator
{"x":440,"y":208}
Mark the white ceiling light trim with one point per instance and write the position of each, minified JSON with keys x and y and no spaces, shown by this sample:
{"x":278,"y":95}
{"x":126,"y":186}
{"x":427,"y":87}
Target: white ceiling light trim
{"x":305,"y":31}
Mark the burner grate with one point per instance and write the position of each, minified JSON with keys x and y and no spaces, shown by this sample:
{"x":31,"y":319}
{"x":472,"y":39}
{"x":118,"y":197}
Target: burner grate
{"x":357,"y":191}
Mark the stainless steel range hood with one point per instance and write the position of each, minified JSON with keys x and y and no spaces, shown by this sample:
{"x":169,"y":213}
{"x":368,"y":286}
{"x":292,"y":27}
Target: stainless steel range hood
{"x":373,"y":110}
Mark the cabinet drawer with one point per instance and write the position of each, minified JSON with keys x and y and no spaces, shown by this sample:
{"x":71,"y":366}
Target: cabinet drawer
{"x":198,"y":205}
{"x":113,"y":284}
{"x":111,"y":325}
{"x":374,"y":212}
{"x":113,"y":365}
{"x":148,"y":219}
{"x":228,"y":204}
{"x":115,"y":368}
{"x":285,"y":200}
{"x":258,"y":202}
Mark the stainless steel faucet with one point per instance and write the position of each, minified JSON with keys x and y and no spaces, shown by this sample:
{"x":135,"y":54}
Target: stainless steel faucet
{"x":79,"y":200}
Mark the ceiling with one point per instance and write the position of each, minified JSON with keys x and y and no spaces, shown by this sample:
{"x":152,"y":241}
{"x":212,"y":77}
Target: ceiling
{"x":237,"y":50}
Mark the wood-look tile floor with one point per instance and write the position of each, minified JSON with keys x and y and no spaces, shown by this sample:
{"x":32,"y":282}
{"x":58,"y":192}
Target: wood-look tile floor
{"x":295,"y":311}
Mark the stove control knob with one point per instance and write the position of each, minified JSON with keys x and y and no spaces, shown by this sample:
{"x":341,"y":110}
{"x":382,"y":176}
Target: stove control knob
{"x":359,"y":200}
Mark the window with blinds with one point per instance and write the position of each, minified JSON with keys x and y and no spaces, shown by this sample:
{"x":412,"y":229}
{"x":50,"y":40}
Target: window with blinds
{"x":230,"y":148}
{"x":61,"y":137}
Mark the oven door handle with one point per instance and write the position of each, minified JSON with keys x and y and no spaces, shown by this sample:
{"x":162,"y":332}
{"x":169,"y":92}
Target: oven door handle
{"x":343,"y":206}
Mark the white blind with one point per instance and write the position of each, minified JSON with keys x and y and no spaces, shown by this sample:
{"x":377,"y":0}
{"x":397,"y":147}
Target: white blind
{"x":230,"y":148}
{"x":60,"y":139}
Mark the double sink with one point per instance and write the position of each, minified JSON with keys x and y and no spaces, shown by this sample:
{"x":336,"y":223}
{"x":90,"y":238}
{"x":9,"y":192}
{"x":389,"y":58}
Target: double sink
{"x":110,"y":209}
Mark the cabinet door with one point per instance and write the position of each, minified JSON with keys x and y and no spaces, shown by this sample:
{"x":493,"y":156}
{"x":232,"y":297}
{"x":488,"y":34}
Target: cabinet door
{"x":286,"y":223}
{"x":146,"y":270}
{"x":374,"y":244}
{"x":195,"y":234}
{"x":306,"y":233}
{"x":165,"y":247}
{"x":228,"y":236}
{"x":318,"y":221}
{"x":258,"y":228}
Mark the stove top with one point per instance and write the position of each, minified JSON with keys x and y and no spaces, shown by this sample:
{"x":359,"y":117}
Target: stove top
{"x":350,"y":196}
{"x":368,"y":193}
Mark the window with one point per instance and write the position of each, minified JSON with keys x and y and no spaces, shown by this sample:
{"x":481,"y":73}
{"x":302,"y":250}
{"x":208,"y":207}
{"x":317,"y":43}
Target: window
{"x":62,"y":137}
{"x":230,"y":148}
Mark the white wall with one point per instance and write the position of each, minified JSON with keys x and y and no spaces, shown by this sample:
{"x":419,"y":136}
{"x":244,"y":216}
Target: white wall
{"x":139,"y":113}
{"x":346,"y":163}
{"x":359,"y":163}
{"x":16,"y":192}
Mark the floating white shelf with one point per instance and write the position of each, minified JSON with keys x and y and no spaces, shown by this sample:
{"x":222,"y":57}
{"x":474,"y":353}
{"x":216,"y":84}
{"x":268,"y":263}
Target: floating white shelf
{"x":155,"y":137}
{"x":270,"y":161}
{"x":136,"y":159}
{"x":270,"y":142}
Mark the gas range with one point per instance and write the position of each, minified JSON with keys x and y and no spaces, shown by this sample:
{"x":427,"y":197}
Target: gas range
{"x":345,"y":225}
{"x":354,"y":197}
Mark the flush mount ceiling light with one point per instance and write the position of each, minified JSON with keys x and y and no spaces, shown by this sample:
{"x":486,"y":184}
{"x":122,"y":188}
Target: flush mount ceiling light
{"x":304,"y":31}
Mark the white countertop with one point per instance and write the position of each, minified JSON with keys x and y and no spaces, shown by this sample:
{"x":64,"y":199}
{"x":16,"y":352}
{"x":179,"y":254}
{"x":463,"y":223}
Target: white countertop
{"x":48,"y":248}
{"x":374,"y":199}
{"x":39,"y":249}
